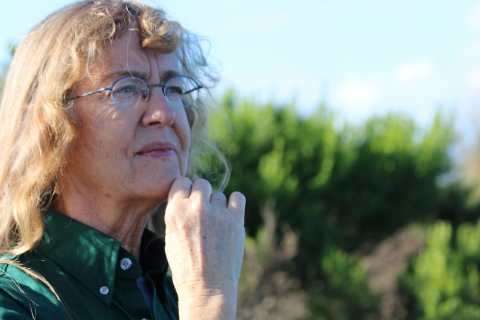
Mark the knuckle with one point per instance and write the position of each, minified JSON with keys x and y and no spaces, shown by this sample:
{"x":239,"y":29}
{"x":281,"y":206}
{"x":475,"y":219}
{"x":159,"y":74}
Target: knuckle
{"x":184,"y":180}
{"x":198,"y":206}
{"x":202,"y":182}
{"x":218,"y":195}
{"x":169,"y":217}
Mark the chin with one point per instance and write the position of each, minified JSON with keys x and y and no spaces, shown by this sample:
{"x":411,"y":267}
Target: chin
{"x":159,"y":187}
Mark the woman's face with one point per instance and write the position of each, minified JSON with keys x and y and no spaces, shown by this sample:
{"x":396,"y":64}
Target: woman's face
{"x":128,"y":154}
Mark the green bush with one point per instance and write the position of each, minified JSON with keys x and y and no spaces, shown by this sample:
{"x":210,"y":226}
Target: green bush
{"x":336,"y":185}
{"x":344,"y":294}
{"x":443,"y":282}
{"x":348,"y":187}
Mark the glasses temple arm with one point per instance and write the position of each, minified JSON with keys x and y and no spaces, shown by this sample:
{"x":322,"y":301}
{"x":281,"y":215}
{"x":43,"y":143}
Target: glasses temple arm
{"x":90,"y":93}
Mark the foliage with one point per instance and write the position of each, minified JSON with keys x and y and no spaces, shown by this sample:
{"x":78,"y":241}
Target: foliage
{"x":338,"y":187}
{"x":335,"y":185}
{"x":456,"y":205}
{"x":345,"y":293}
{"x":443,"y":282}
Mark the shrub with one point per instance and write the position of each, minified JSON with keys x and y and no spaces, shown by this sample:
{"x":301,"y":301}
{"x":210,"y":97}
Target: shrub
{"x":443,"y":281}
{"x":333,"y":184}
{"x":345,"y":293}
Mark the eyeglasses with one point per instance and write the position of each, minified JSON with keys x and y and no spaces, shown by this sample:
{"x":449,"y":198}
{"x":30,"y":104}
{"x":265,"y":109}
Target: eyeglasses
{"x":179,"y":91}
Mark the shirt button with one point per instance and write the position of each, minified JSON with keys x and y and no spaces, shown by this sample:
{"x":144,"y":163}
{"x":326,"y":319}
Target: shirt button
{"x":125,"y":264}
{"x":104,"y":290}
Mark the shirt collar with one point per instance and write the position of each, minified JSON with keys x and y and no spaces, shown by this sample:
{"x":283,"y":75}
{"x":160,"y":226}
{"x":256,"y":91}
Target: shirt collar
{"x":92,"y":257}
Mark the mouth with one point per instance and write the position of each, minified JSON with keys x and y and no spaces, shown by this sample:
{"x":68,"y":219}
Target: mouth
{"x":157,"y":150}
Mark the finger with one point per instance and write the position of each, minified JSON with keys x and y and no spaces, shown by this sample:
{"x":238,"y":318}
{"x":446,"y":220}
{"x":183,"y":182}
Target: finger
{"x":180,"y":188}
{"x":201,"y":189}
{"x":236,"y":204}
{"x":218,"y":198}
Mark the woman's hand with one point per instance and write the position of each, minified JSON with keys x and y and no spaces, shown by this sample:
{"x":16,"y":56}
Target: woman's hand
{"x":204,"y":245}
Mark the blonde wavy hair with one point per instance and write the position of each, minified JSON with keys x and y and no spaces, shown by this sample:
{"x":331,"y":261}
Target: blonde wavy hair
{"x":38,"y":128}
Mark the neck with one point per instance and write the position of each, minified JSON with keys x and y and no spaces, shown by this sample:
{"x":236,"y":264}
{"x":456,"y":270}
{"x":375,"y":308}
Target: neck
{"x":122,"y":220}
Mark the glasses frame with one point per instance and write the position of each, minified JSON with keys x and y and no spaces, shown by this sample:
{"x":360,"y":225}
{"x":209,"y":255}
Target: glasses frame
{"x":144,"y":98}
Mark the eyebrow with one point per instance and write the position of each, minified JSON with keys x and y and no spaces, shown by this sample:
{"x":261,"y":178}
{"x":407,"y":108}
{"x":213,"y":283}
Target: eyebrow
{"x":164,"y":76}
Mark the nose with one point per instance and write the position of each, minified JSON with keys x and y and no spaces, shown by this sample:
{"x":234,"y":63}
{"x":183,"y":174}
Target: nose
{"x":159,"y":112}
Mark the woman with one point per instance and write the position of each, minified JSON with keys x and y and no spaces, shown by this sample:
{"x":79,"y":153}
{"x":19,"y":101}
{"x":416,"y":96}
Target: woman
{"x":102,"y":121}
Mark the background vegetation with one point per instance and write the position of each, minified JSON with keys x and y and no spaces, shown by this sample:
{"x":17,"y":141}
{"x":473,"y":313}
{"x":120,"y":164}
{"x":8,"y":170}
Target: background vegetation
{"x":342,"y":191}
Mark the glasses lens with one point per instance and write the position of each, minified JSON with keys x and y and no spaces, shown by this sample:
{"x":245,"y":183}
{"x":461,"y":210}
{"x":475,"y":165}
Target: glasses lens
{"x":127,"y":91}
{"x":181,"y":91}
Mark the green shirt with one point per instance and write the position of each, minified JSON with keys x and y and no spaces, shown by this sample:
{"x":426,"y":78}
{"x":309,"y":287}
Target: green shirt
{"x":94,"y":277}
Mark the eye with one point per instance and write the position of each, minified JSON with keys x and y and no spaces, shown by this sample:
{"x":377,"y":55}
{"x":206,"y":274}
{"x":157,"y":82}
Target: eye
{"x":173,"y":90}
{"x":127,"y":89}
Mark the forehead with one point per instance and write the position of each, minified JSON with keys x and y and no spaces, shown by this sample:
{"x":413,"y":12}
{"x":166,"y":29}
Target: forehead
{"x":125,"y":56}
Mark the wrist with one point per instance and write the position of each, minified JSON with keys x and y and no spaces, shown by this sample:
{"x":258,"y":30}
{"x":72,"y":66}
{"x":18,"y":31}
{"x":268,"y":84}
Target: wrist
{"x":201,"y":302}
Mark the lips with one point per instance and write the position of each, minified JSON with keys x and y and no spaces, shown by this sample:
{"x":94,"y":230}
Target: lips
{"x":157,"y":150}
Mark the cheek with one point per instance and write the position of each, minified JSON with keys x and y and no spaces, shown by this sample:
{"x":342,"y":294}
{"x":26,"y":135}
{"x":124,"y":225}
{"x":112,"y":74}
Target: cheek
{"x":102,"y":117}
{"x":184,"y":133}
{"x":103,"y":133}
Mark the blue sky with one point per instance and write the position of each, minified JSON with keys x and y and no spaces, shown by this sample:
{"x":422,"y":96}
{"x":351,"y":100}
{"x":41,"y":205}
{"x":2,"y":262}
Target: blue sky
{"x":361,"y":57}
